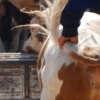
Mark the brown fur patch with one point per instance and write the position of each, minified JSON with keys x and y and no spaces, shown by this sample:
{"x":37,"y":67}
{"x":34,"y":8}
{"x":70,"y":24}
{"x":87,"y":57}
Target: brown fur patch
{"x":79,"y":81}
{"x":75,"y":83}
{"x":96,"y":97}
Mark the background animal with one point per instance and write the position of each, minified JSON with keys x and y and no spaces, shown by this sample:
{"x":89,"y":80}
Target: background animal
{"x":17,"y":19}
{"x":38,"y":34}
{"x":38,"y":28}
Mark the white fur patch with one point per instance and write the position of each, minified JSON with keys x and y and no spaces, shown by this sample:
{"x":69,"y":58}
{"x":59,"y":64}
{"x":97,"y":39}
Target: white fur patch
{"x":87,"y":37}
{"x":54,"y":59}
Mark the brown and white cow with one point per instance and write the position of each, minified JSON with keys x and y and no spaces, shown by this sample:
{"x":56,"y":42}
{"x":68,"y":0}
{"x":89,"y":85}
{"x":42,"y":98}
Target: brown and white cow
{"x":71,"y":73}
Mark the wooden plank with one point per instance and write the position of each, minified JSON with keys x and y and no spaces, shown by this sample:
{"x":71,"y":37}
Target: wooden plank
{"x":34,"y":84}
{"x":18,"y":77}
{"x":17,"y":58}
{"x":11,"y":83}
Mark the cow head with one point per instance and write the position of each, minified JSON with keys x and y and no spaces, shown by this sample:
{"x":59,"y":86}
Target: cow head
{"x":35,"y":41}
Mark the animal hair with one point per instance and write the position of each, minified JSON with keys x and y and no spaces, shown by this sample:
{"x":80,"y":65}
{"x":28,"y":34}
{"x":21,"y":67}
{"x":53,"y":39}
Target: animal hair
{"x":44,"y":15}
{"x":54,"y":24}
{"x":34,"y":26}
{"x":41,"y":15}
{"x":58,"y":6}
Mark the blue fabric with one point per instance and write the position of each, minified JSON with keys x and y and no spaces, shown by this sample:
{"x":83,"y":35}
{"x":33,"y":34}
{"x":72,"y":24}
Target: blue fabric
{"x":72,"y":13}
{"x":82,"y":4}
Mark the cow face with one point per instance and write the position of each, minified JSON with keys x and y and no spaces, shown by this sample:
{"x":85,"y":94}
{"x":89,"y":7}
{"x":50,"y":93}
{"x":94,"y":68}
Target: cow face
{"x":35,"y":41}
{"x":37,"y":38}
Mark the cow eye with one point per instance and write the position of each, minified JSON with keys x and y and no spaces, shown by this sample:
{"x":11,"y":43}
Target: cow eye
{"x":40,"y":37}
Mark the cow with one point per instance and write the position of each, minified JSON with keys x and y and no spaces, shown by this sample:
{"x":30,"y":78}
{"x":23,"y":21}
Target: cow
{"x":73,"y":72}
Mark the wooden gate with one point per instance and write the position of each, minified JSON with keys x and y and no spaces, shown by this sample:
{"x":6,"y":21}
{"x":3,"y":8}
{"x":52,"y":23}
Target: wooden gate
{"x":18,"y":77}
